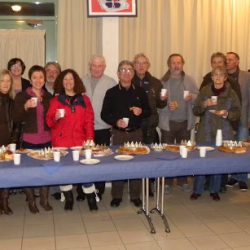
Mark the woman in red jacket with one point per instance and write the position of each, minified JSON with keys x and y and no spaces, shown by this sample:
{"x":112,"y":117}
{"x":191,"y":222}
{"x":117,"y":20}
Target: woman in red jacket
{"x":73,"y":128}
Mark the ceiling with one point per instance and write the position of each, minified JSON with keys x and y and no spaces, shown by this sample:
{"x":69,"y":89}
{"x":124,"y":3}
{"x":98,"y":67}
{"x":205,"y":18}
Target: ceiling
{"x":28,"y":9}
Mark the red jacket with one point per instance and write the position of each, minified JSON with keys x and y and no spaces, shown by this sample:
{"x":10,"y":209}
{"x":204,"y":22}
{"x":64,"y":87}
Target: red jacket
{"x":75,"y":127}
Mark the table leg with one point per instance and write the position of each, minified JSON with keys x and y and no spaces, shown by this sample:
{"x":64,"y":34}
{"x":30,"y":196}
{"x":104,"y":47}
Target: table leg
{"x":145,"y":204}
{"x":160,"y":204}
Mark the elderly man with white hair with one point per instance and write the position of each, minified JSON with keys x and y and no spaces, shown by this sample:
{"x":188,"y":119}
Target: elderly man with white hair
{"x":97,"y":83}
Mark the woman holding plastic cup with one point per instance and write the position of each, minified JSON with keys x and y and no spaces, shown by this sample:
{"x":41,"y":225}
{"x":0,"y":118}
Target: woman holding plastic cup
{"x":30,"y":108}
{"x":215,"y":113}
{"x":73,"y":126}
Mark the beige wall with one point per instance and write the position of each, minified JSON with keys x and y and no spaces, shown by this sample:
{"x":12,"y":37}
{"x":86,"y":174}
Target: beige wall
{"x":194,"y":28}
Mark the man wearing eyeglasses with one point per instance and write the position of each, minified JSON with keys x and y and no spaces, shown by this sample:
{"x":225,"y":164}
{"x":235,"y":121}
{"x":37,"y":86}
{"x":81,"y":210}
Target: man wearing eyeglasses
{"x":125,"y":100}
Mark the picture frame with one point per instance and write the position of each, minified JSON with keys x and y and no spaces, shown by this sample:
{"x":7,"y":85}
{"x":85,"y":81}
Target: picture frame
{"x":112,"y":8}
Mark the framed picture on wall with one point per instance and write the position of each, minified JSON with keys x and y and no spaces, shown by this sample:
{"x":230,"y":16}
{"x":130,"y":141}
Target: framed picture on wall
{"x":102,"y":8}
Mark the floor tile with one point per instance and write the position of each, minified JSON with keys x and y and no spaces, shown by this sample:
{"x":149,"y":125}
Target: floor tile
{"x":104,"y":239}
{"x":11,"y":244}
{"x":241,"y":239}
{"x":176,"y":244}
{"x":134,"y":236}
{"x":38,"y":243}
{"x":208,"y":242}
{"x":71,"y":242}
{"x":143,"y":245}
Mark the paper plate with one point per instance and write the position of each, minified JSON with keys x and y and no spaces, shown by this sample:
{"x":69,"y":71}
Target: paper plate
{"x":89,"y":161}
{"x":59,"y":148}
{"x":124,"y":157}
{"x":76,"y":148}
{"x":208,"y":148}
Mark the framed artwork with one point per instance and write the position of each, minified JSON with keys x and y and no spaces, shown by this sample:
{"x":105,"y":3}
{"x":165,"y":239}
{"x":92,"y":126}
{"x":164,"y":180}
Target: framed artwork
{"x":102,"y":8}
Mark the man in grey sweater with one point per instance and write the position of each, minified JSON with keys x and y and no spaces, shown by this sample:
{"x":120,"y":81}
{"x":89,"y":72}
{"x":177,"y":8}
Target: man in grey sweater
{"x":176,"y":119}
{"x":97,"y":83}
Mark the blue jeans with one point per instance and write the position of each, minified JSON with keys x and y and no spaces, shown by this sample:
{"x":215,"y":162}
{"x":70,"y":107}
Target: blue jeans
{"x":214,"y":183}
{"x":242,"y":134}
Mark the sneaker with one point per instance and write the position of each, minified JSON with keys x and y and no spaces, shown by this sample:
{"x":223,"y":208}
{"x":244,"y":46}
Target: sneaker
{"x":168,"y":189}
{"x":186,"y":188}
{"x":243,"y":186}
{"x":231,"y":182}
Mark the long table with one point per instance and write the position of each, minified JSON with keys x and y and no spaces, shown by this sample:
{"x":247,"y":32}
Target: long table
{"x":33,"y":172}
{"x":158,"y":165}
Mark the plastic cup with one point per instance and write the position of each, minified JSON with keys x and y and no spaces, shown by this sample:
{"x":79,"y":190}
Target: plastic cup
{"x":34,"y":100}
{"x":88,"y":153}
{"x":214,"y":99}
{"x":56,"y":155}
{"x":184,"y":152}
{"x":12,"y":147}
{"x":17,"y":159}
{"x":126,"y":120}
{"x":164,"y":92}
{"x":186,"y":93}
{"x":75,"y":155}
{"x":202,"y":151}
{"x":61,"y":112}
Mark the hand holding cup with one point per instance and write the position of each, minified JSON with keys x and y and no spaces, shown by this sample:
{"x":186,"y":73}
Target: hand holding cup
{"x":60,"y":113}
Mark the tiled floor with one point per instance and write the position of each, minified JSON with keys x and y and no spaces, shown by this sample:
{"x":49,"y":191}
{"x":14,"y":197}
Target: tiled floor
{"x":201,"y":224}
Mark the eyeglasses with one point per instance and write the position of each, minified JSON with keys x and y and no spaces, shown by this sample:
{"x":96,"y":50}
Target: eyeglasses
{"x":124,"y":70}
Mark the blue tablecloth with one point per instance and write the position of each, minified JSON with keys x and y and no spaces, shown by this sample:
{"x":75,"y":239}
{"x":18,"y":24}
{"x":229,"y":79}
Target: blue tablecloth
{"x":33,"y":172}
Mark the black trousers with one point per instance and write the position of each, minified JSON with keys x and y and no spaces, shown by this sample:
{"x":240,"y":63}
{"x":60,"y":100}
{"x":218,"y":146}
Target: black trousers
{"x":119,"y":137}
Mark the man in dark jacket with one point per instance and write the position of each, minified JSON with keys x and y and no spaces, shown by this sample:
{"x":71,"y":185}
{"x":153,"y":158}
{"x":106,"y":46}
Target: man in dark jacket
{"x":125,"y":101}
{"x":153,"y":87}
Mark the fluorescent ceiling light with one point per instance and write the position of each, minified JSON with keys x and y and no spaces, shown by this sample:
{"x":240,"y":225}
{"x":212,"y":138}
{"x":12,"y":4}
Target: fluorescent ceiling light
{"x":16,"y":7}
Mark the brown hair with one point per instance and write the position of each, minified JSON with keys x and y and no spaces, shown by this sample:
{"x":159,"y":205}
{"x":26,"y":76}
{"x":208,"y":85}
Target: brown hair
{"x":37,"y":68}
{"x":125,"y":62}
{"x":218,"y":54}
{"x":166,"y":76}
{"x":233,"y":53}
{"x":79,"y":87}
{"x":15,"y":60}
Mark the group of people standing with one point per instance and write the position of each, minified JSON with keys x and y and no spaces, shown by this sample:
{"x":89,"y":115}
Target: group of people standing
{"x":95,"y":108}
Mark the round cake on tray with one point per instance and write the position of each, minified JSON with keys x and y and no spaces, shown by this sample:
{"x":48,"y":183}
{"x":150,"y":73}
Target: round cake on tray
{"x":133,"y":148}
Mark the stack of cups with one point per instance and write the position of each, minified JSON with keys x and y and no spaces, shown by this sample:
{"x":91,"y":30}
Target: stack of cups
{"x":218,"y":139}
{"x":183,"y":151}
